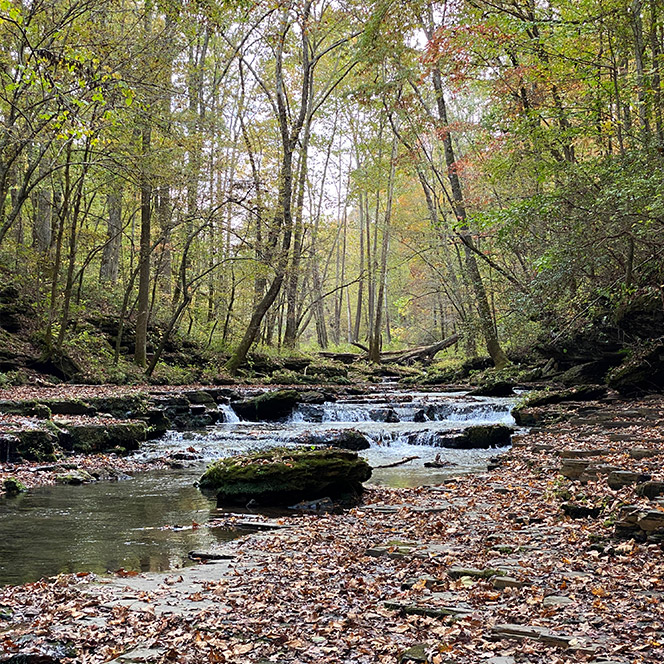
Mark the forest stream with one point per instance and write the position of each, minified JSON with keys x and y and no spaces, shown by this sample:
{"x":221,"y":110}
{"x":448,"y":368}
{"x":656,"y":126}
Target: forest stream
{"x":151,"y":522}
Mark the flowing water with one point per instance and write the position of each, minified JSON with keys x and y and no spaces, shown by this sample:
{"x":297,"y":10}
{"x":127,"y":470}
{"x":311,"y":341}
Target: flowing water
{"x":145,"y":524}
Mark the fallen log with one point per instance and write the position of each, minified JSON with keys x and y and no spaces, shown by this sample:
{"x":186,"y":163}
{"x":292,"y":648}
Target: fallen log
{"x":397,"y":463}
{"x":425,"y":353}
{"x":406,"y":356}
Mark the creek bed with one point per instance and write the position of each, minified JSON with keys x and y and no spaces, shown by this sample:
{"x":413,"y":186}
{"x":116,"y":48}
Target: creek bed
{"x":145,"y":524}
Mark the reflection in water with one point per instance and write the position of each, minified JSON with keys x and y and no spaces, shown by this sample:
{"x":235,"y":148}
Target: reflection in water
{"x":104,"y":526}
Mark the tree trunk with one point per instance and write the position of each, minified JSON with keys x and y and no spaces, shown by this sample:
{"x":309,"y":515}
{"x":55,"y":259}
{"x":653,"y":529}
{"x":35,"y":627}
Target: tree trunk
{"x":472,"y":269}
{"x":110,"y":259}
{"x":140,"y":351}
{"x":375,"y":339}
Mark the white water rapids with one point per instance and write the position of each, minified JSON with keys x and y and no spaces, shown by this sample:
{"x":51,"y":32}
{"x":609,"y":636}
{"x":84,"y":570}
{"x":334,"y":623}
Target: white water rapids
{"x":397,"y":423}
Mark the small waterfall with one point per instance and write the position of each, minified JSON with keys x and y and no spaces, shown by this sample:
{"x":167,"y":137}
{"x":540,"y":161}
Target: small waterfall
{"x":334,"y":412}
{"x":230,"y":416}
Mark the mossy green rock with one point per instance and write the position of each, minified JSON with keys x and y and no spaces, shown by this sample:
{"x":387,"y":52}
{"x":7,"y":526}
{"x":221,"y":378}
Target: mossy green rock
{"x":27,"y":408}
{"x":579,"y":393}
{"x":121,"y":406}
{"x":75,"y":477}
{"x":100,"y":437}
{"x":489,"y":435}
{"x":268,"y":406}
{"x":12,"y":486}
{"x":36,"y":445}
{"x":284,"y":476}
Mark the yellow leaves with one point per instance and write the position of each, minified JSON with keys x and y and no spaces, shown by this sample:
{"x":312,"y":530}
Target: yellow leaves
{"x":600,"y":591}
{"x":421,"y":584}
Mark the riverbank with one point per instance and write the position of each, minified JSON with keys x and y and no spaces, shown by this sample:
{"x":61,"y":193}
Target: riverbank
{"x":521,"y":563}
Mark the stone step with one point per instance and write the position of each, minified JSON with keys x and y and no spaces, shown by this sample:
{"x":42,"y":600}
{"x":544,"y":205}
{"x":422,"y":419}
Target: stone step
{"x":584,"y":454}
{"x":429,"y":611}
{"x":639,"y":453}
{"x":618,"y":479}
{"x":540,"y":634}
{"x":457,"y":572}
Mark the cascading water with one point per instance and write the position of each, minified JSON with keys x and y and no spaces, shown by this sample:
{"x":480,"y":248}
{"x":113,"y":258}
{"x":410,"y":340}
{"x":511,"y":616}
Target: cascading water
{"x":397,"y":424}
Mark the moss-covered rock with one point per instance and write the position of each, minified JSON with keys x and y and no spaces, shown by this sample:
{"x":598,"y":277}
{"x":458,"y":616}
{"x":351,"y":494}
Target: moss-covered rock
{"x":75,"y":477}
{"x":284,"y":476}
{"x":100,"y":437}
{"x":36,"y":445}
{"x":486,"y":436}
{"x":69,"y":407}
{"x":578,"y":393}
{"x":28,"y":408}
{"x":121,"y":406}
{"x":12,"y":487}
{"x":269,"y":406}
{"x":642,"y":373}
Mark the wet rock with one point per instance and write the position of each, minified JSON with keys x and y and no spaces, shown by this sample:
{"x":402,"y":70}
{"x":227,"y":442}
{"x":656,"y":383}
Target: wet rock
{"x":498,"y":389}
{"x":12,"y":487}
{"x":200,"y":397}
{"x":75,"y":477}
{"x":485,"y":436}
{"x":210,"y":555}
{"x":283,"y":476}
{"x":100,"y":437}
{"x":269,"y":406}
{"x":108,"y":473}
{"x":618,"y":479}
{"x":122,"y":406}
{"x":388,"y":415}
{"x":420,"y":416}
{"x":320,"y":505}
{"x":158,"y":423}
{"x":172,"y":404}
{"x":8,"y":447}
{"x":36,"y":445}
{"x":312,"y":397}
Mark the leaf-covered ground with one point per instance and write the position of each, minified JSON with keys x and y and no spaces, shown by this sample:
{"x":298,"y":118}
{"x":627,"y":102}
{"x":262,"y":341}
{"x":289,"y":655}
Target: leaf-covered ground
{"x":494,"y":550}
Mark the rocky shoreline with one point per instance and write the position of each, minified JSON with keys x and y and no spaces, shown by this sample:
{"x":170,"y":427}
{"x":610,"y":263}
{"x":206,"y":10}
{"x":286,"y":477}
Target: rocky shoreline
{"x":531,"y":562}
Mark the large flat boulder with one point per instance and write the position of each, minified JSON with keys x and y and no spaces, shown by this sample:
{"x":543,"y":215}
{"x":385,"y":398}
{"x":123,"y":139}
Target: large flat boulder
{"x":284,"y":476}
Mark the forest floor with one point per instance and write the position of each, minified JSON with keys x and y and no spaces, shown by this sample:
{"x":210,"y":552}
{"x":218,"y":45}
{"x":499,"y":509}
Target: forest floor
{"x":484,"y":568}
